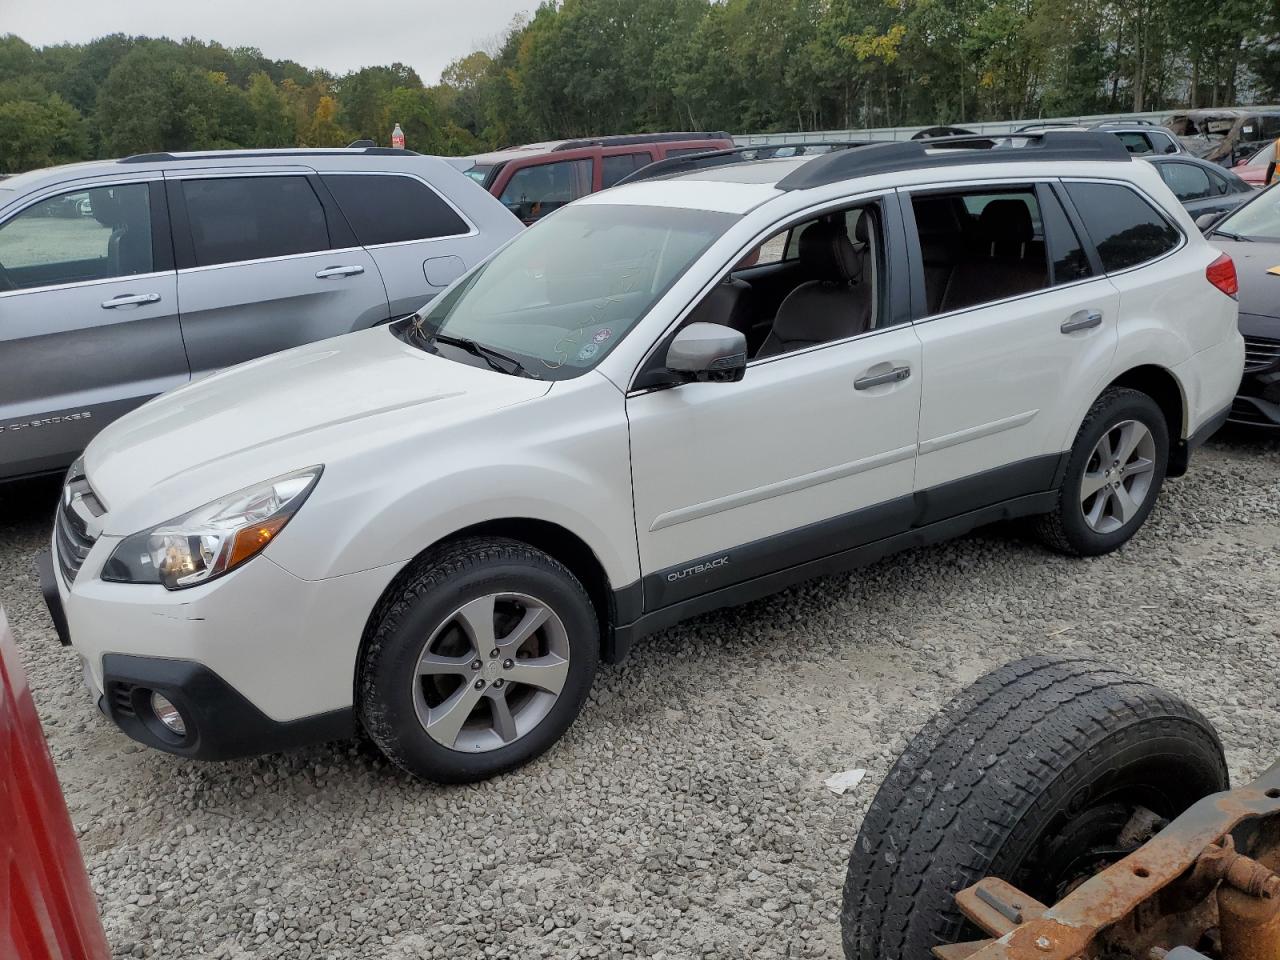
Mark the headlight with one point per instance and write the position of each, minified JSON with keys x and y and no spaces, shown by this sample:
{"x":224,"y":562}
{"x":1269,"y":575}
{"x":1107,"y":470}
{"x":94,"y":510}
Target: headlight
{"x":213,"y":539}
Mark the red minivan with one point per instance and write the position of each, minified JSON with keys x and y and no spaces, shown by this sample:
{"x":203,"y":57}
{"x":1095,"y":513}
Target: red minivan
{"x":537,"y":178}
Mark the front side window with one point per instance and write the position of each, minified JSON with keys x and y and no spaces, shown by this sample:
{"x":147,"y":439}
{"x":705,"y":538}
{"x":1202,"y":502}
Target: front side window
{"x":1187,"y":181}
{"x":253,"y":218}
{"x":1126,"y":229}
{"x":93,"y":234}
{"x":388,"y":208}
{"x":979,"y":246}
{"x":616,"y":167}
{"x":533,"y":192}
{"x":560,"y":297}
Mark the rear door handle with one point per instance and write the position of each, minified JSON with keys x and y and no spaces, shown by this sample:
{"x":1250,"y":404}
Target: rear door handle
{"x":130,"y":300}
{"x":329,"y":272}
{"x":1082,"y":320}
{"x":896,"y":375}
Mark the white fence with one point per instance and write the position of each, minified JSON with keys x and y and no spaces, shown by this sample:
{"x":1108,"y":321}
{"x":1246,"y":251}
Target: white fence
{"x":905,"y":133}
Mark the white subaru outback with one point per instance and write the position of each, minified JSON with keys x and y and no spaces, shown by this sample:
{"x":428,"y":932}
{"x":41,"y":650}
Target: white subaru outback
{"x":671,"y":396}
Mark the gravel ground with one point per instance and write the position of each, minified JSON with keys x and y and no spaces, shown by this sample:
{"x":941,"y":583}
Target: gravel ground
{"x":684,"y":815}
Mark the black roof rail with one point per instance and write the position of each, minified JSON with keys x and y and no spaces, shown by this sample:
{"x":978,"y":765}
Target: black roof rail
{"x":1048,"y":125}
{"x":888,"y":157}
{"x":720,"y":158}
{"x":253,"y":154}
{"x":627,"y":139}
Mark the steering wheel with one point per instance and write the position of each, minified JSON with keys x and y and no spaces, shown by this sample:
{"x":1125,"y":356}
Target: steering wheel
{"x":5,"y":282}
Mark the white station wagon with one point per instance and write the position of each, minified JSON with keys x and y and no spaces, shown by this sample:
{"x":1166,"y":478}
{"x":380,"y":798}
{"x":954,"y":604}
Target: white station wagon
{"x":675,"y":395}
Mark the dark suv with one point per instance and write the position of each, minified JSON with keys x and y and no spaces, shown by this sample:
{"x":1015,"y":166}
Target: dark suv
{"x":537,"y":178}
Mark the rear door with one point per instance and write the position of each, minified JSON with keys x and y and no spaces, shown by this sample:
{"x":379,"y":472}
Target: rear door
{"x":88,"y":317}
{"x":1021,"y":319}
{"x":265,"y":262}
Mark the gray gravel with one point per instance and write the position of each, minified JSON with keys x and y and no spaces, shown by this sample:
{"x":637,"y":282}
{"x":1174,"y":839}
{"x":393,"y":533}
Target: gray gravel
{"x":684,"y":815}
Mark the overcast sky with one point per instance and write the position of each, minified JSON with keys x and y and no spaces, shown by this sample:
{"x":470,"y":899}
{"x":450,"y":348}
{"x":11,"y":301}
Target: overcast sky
{"x":339,"y":35}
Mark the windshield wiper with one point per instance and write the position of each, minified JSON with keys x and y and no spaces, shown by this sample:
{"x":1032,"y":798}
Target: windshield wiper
{"x":1232,"y":236}
{"x":496,"y":359}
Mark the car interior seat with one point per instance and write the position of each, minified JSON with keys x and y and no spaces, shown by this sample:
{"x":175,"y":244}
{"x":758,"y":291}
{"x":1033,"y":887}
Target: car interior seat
{"x":838,"y":302}
{"x":1007,"y":260}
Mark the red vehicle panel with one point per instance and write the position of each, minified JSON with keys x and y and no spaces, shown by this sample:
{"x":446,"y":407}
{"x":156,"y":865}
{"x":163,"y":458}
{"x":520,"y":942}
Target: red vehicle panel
{"x":47,"y":908}
{"x":533,"y":180}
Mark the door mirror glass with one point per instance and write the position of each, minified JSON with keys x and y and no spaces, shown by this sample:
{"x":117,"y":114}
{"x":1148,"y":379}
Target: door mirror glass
{"x":708,"y":352}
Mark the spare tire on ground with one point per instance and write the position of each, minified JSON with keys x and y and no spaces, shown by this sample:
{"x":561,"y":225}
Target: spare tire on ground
{"x":1041,"y":773}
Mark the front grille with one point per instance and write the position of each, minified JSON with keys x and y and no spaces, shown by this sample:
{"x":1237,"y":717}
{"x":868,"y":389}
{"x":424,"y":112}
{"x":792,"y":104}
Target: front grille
{"x":71,"y":531}
{"x":1260,"y":354}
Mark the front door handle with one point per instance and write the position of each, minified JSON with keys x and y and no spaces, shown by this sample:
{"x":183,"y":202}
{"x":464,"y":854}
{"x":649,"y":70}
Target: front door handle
{"x":130,"y":300}
{"x":896,"y":375}
{"x":1082,"y":320}
{"x":330,"y":272}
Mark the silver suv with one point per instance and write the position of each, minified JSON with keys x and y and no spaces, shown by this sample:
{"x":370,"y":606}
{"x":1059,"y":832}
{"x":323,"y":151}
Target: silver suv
{"x":122,"y":279}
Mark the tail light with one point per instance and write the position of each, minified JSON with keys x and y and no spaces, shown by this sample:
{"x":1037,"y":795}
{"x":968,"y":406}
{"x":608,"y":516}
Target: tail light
{"x":1222,"y":274}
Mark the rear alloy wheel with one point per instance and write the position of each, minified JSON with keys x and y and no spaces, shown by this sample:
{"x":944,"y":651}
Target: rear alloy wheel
{"x":1114,"y":473}
{"x":478,"y":661}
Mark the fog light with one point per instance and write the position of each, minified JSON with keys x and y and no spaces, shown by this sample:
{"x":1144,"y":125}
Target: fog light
{"x":168,"y":714}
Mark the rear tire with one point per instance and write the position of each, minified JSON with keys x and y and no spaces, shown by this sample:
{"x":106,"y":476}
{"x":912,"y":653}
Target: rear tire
{"x":1029,"y":775}
{"x":478,"y":661}
{"x":1114,"y":474}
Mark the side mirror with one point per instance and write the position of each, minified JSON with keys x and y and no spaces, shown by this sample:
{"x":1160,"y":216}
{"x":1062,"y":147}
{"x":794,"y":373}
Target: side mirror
{"x":708,"y":352}
{"x":1207,"y":220}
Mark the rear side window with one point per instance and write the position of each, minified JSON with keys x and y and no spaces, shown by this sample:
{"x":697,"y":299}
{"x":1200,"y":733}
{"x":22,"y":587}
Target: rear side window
{"x":1126,"y":229}
{"x":1135,"y":143}
{"x":616,"y":167}
{"x":388,"y":208}
{"x":252,"y":218}
{"x":1188,"y":182}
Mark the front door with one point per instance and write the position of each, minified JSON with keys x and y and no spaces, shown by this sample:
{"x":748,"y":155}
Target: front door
{"x":88,"y":319}
{"x":264,"y":265}
{"x":810,"y":453}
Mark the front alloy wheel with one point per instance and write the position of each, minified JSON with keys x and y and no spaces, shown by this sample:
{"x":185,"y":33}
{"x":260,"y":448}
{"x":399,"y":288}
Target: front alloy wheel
{"x":491,"y":672}
{"x":477,"y":660}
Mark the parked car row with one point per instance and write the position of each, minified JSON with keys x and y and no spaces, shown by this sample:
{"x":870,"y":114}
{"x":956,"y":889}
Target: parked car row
{"x":684,"y":392}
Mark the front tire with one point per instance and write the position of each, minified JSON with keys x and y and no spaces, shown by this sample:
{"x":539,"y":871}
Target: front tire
{"x":1041,"y":773}
{"x":1114,"y":474}
{"x":478,"y":662}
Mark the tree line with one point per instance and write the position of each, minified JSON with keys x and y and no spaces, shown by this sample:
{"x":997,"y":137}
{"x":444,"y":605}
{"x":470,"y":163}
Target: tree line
{"x":586,"y":67}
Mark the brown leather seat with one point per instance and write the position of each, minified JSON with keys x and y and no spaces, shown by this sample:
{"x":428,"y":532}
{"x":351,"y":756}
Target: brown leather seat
{"x":838,"y":304}
{"x":1007,"y":262}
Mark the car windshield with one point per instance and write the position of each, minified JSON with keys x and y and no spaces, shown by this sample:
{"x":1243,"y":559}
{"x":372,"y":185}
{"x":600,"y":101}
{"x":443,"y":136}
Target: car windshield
{"x":1257,"y":220}
{"x":561,"y":295}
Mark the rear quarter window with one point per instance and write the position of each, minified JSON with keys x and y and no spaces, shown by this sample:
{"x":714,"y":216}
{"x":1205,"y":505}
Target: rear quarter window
{"x":392,"y":208}
{"x":1125,"y":227}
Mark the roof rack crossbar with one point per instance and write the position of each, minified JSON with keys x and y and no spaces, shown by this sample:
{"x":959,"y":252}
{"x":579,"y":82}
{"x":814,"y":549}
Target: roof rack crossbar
{"x":720,"y":158}
{"x":163,"y":157}
{"x":892,"y":156}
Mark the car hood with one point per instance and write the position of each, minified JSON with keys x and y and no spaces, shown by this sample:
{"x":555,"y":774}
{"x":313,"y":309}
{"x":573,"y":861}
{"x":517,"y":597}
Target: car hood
{"x":281,"y":413}
{"x":1259,"y":290}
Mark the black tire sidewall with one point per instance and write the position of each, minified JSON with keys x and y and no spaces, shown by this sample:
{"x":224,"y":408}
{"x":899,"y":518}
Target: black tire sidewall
{"x":1126,"y":405}
{"x":388,"y":683}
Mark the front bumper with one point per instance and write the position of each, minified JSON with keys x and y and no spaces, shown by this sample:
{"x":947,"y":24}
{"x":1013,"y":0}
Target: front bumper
{"x":256,"y":661}
{"x":220,"y":723}
{"x":1258,"y":402}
